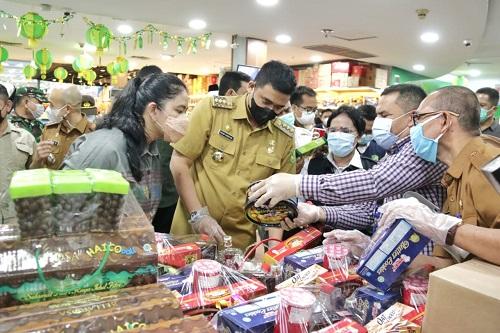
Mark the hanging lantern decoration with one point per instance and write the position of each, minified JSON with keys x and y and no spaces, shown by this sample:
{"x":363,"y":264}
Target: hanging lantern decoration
{"x":29,"y":72}
{"x":43,"y":59}
{"x":100,"y":36}
{"x":61,"y":74}
{"x":122,"y":63}
{"x":113,"y":70}
{"x":89,"y":75}
{"x":4,"y":55}
{"x":166,"y":37}
{"x":180,"y":44}
{"x":205,"y":41}
{"x":139,"y":41}
{"x":82,"y":63}
{"x":33,"y":27}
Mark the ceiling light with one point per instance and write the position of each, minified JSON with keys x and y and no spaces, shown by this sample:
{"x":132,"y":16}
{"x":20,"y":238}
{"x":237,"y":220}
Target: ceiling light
{"x":283,"y":39}
{"x":124,"y":29}
{"x":221,"y":43}
{"x":316,"y":58}
{"x":166,"y":57}
{"x":429,"y":37}
{"x":197,"y":24}
{"x":474,"y":72}
{"x":69,"y":59}
{"x":267,"y":3}
{"x":418,"y":67}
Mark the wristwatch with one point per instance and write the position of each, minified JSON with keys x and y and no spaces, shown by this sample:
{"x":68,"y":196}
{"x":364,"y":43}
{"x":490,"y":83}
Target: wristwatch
{"x":197,"y":215}
{"x":450,"y":236}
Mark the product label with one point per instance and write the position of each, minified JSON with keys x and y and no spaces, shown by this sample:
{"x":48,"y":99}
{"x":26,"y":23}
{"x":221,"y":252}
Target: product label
{"x":112,"y":248}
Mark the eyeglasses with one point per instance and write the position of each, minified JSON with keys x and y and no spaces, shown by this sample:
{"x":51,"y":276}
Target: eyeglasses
{"x":309,"y":110}
{"x":340,"y":129}
{"x":418,"y":117}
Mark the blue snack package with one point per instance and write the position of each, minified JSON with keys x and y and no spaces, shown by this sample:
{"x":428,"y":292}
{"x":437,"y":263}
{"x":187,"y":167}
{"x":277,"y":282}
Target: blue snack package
{"x":256,"y":316}
{"x":296,"y":263}
{"x":366,"y":303}
{"x":391,"y":255}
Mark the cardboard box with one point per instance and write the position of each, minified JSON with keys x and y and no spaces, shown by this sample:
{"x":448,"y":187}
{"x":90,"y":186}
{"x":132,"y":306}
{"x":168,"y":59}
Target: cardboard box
{"x":300,"y":241}
{"x":344,"y":326}
{"x":464,"y":298}
{"x":259,"y":315}
{"x":180,"y":255}
{"x":228,"y":295}
{"x":391,"y":255}
{"x":298,"y":262}
{"x":367,"y":303}
{"x":303,"y":278}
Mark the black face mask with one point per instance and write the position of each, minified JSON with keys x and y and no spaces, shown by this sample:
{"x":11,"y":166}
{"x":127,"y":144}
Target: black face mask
{"x":259,"y":114}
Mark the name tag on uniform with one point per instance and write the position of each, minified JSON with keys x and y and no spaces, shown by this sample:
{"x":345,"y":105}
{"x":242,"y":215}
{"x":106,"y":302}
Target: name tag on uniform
{"x":226,"y":135}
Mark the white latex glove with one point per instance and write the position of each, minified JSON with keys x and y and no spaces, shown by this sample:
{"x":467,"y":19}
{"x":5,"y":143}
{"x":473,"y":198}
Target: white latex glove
{"x":208,"y":226}
{"x":308,"y":213}
{"x":422,"y":218}
{"x":175,"y":127}
{"x":354,"y":240}
{"x":274,"y":189}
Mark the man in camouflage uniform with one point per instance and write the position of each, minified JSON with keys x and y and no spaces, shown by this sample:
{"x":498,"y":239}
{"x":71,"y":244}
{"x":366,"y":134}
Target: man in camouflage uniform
{"x":27,"y":109}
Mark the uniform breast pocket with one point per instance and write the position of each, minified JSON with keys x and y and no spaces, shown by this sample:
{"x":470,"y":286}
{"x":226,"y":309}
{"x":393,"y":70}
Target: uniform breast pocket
{"x":220,"y":154}
{"x":267,"y":165}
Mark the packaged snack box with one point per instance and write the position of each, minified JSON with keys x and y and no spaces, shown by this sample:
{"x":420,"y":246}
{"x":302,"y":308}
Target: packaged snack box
{"x":367,"y":303}
{"x":298,"y":262}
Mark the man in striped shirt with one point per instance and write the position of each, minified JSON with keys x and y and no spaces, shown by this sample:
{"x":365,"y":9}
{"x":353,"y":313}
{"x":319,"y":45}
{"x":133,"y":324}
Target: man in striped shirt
{"x":351,"y":199}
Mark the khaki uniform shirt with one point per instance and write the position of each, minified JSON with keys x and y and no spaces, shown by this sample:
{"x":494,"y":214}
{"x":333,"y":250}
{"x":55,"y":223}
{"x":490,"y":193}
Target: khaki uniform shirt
{"x":63,"y":137}
{"x":16,"y":149}
{"x":471,"y":196}
{"x":228,"y":155}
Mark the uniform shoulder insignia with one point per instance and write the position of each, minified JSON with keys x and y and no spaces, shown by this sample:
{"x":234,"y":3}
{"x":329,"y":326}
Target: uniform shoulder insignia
{"x":222,"y":102}
{"x":284,"y":127}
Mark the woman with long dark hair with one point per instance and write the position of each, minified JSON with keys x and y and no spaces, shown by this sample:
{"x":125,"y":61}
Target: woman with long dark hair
{"x":125,"y":140}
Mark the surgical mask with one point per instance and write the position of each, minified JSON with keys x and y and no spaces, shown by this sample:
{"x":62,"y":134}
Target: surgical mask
{"x":288,"y":118}
{"x":307,"y":118}
{"x":365,"y":139}
{"x":261,"y":115}
{"x":483,"y":116}
{"x":424,"y":147}
{"x":382,"y":132}
{"x":53,"y":114}
{"x":341,"y":144}
{"x":39,"y":110}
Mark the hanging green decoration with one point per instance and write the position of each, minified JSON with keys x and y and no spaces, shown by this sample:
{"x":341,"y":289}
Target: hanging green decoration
{"x":33,"y":27}
{"x":100,"y":36}
{"x":140,"y":41}
{"x":180,"y":44}
{"x":29,"y":72}
{"x":82,"y":63}
{"x":166,"y":37}
{"x":122,"y":63}
{"x":60,"y":73}
{"x":206,"y":41}
{"x":192,"y":46}
{"x":89,"y":75}
{"x":4,"y":55}
{"x":43,"y":59}
{"x":113,"y":70}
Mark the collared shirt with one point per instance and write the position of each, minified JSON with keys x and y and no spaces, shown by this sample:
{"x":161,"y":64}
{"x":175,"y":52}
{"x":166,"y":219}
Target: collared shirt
{"x":34,"y":126}
{"x":362,"y":192}
{"x":63,"y":137}
{"x":325,"y":164}
{"x":471,"y":196}
{"x":494,"y":129}
{"x":107,"y":149}
{"x":228,"y":154}
{"x":16,"y":149}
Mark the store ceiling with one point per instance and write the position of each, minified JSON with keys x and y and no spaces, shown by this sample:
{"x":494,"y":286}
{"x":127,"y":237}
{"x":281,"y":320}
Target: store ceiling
{"x":394,"y":23}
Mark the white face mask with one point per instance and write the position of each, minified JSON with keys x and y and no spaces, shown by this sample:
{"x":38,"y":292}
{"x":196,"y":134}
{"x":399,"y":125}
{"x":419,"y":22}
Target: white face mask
{"x":307,"y":118}
{"x":38,"y":111}
{"x":54,"y":114}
